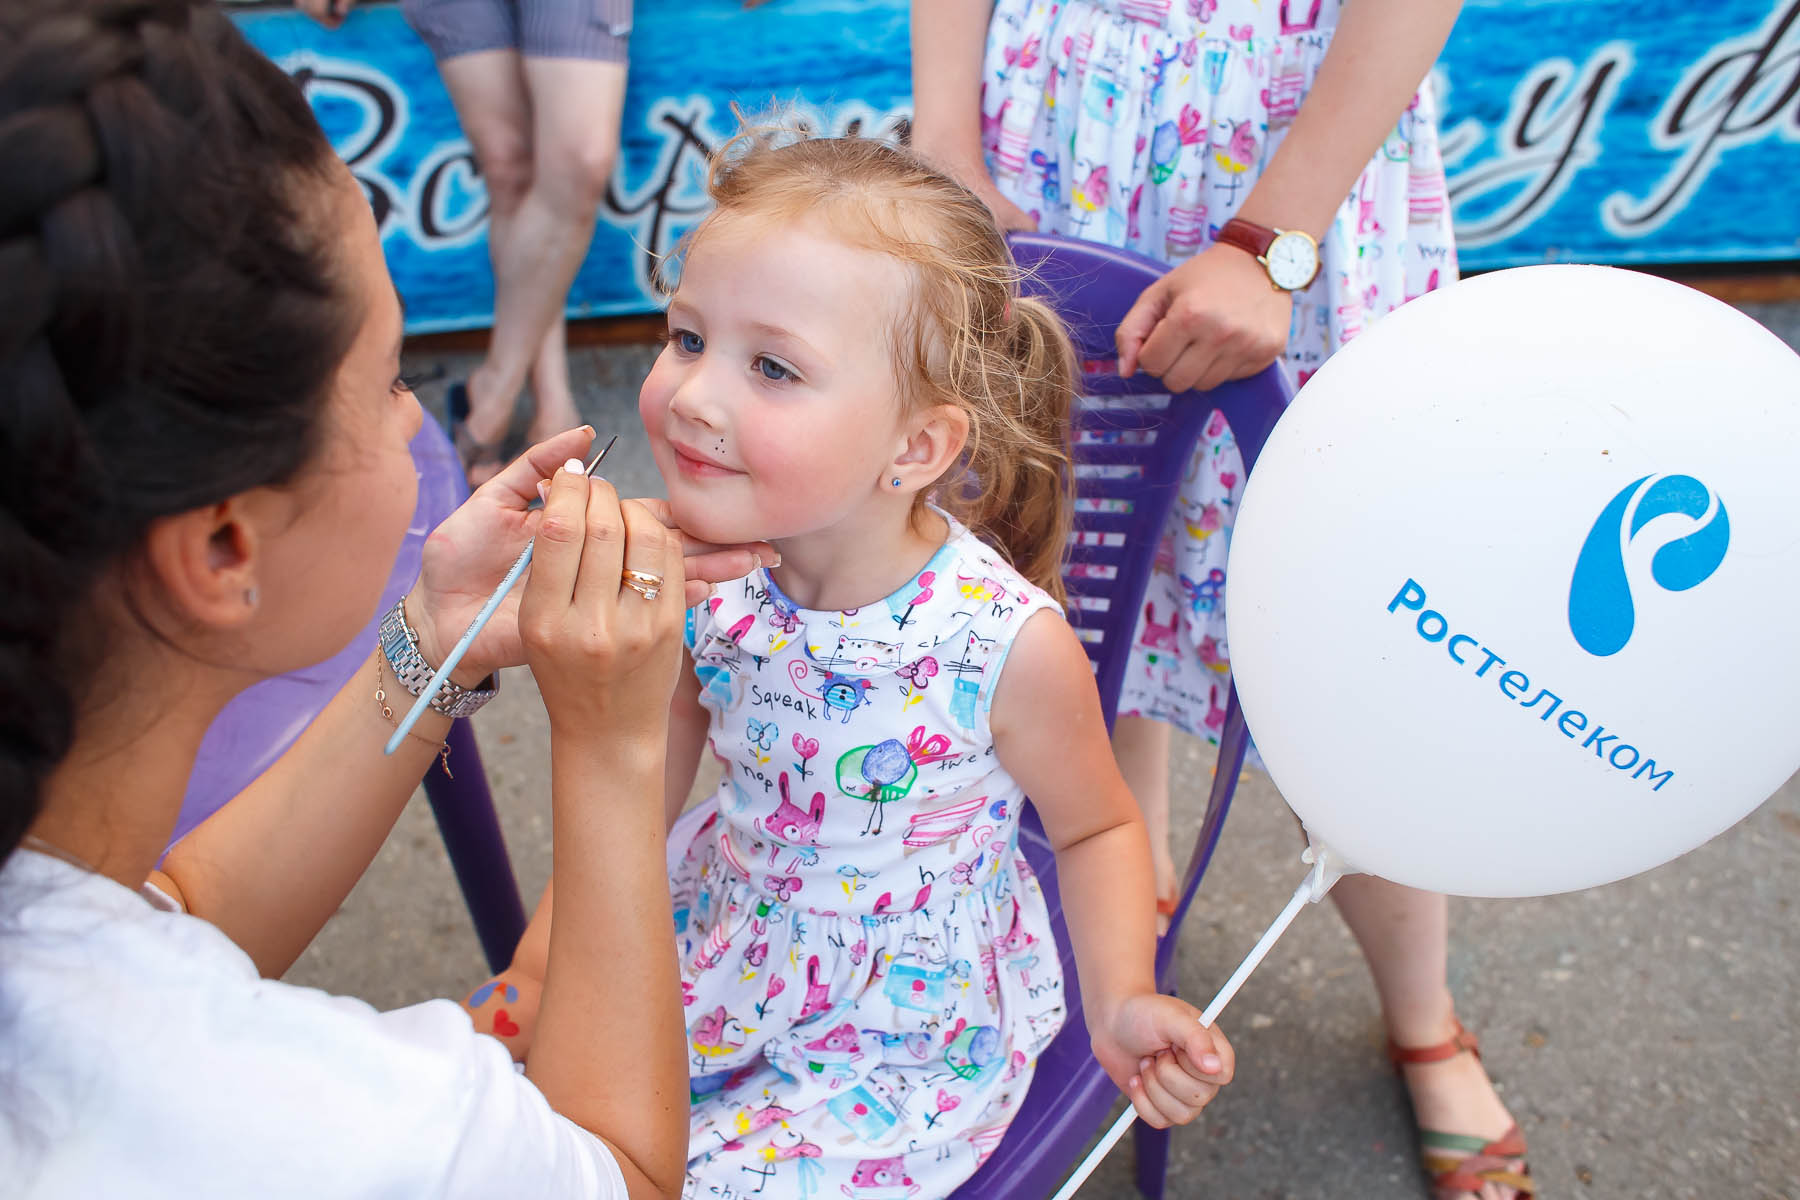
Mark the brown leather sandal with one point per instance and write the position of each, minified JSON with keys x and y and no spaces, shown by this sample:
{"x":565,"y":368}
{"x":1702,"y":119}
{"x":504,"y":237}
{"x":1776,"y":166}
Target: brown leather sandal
{"x":1460,"y":1165}
{"x":1165,"y":911}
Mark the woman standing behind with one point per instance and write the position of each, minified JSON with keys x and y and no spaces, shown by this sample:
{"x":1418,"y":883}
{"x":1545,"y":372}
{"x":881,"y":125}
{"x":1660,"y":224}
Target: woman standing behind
{"x":1282,"y":157}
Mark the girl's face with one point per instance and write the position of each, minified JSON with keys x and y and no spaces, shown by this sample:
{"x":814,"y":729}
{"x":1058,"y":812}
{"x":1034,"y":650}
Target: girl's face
{"x":773,"y":410}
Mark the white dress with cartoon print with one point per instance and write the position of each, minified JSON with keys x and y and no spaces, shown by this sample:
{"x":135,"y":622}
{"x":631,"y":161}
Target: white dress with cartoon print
{"x":866,"y":958}
{"x":1143,"y":124}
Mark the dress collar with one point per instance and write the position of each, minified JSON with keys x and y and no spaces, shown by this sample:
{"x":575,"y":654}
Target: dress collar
{"x":888,"y":636}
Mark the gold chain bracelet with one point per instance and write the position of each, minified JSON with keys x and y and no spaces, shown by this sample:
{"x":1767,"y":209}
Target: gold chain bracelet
{"x":387,"y":712}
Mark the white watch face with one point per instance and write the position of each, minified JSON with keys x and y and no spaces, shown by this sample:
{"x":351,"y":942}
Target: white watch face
{"x":1293,"y":260}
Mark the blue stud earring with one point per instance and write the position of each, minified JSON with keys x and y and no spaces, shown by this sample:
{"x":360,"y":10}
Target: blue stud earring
{"x":896,"y":481}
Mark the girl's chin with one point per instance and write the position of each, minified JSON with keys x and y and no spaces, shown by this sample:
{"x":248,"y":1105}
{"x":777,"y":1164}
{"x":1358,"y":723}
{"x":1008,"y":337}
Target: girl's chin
{"x":712,"y":522}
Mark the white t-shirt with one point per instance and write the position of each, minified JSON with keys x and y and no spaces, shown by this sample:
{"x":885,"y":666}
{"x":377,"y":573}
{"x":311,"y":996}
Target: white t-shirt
{"x":141,"y":1055}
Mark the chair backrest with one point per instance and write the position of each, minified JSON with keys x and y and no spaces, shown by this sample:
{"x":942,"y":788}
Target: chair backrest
{"x":263,"y":721}
{"x":1133,"y":443}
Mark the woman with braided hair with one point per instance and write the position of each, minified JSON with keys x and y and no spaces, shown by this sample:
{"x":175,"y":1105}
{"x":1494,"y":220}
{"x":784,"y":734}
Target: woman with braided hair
{"x":204,"y":478}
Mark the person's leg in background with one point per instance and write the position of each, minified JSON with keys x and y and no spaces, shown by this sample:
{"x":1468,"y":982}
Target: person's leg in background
{"x":539,"y":89}
{"x":545,"y":133}
{"x":494,"y":109}
{"x":554,"y":408}
{"x":1141,"y":746}
{"x":577,"y":104}
{"x":1405,"y":938}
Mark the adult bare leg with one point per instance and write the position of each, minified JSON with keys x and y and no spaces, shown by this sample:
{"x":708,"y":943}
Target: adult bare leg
{"x":494,"y":107}
{"x":1141,"y":747}
{"x":555,"y":409}
{"x":574,"y":107}
{"x":490,"y":92}
{"x":1405,"y":937}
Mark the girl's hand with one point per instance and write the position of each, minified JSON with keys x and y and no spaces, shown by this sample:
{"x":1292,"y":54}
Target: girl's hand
{"x":1212,"y":319}
{"x":604,"y":655}
{"x":466,"y":557}
{"x":1168,"y":1064}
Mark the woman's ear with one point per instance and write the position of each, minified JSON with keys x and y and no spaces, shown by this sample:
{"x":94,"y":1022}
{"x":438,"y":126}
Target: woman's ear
{"x":203,"y":562}
{"x":934,"y":440}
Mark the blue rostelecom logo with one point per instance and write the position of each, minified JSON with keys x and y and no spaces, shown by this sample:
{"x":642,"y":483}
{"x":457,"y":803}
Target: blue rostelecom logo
{"x":1601,"y":615}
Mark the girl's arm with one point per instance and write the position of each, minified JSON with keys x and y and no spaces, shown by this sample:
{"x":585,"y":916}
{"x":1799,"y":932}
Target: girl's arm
{"x":948,"y":40}
{"x":688,"y":723}
{"x":1051,"y":737}
{"x":1216,"y":317}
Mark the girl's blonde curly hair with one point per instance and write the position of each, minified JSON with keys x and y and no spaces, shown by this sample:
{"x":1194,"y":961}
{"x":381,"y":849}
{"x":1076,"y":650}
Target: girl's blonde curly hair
{"x":964,"y":336}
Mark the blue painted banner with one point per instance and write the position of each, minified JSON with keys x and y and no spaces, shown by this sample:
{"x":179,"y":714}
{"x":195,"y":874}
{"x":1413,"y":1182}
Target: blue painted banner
{"x":1575,"y":130}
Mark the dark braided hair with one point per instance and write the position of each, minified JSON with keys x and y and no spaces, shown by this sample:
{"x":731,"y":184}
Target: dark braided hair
{"x":171,"y":318}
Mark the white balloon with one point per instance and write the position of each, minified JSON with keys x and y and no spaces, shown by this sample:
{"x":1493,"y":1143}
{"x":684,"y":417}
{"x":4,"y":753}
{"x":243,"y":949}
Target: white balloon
{"x":1440,"y":691}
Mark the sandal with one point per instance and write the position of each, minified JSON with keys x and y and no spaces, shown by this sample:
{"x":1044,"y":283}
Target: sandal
{"x":489,"y":457}
{"x":1460,"y":1165}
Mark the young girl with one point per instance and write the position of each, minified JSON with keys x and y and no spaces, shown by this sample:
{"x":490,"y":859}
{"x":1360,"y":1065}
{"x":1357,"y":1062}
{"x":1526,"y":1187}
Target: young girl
{"x":1198,"y":132}
{"x":867,"y":961}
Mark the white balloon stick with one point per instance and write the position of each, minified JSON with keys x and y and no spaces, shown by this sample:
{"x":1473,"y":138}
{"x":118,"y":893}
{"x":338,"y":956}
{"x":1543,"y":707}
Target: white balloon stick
{"x":1325,"y":872}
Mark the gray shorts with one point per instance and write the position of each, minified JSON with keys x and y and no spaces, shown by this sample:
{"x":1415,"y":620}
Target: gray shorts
{"x":590,"y":29}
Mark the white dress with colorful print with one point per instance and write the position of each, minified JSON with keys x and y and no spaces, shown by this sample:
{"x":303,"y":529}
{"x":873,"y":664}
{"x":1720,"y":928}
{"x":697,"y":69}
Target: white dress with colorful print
{"x":866,"y":958}
{"x":1144,"y":124}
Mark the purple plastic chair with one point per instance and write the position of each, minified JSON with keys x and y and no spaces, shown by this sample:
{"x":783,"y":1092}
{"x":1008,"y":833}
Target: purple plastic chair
{"x":1132,"y":446}
{"x":263,"y":721}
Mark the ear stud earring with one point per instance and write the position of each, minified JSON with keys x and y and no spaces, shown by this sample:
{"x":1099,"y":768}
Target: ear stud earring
{"x":896,"y":481}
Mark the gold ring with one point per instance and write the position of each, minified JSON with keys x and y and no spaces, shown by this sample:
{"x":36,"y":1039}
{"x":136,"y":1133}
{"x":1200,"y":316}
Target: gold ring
{"x":644,"y":583}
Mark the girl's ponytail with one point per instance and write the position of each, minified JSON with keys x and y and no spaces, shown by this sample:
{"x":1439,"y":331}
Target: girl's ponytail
{"x":1022,"y":498}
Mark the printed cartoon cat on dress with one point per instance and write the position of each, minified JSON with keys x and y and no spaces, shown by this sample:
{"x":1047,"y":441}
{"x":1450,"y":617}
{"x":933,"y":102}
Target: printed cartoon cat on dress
{"x":840,"y":694}
{"x":862,"y":654}
{"x":967,"y":673}
{"x":716,"y":663}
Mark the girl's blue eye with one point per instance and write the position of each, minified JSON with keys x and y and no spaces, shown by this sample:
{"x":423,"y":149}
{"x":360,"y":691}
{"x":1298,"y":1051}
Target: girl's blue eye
{"x":770,"y":369}
{"x":688,"y":342}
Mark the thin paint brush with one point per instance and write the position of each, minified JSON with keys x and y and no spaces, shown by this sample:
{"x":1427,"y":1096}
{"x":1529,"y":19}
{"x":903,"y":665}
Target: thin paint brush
{"x":475,"y":627}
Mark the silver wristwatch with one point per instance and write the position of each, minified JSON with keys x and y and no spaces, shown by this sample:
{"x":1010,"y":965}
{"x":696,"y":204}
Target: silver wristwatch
{"x":400,"y":643}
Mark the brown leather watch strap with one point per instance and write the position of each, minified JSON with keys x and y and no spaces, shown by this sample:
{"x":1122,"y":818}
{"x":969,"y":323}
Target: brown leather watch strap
{"x":1247,"y":236}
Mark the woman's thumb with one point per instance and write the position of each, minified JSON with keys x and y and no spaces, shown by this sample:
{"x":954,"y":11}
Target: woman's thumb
{"x":1137,"y":325}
